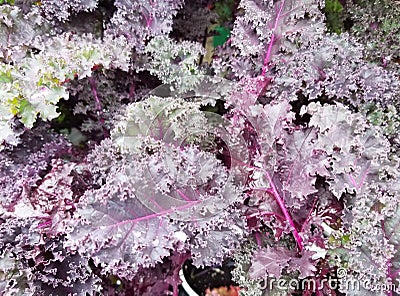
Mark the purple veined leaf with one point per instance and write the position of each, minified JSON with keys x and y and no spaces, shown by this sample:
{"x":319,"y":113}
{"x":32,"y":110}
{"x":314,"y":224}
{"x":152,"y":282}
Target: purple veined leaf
{"x":279,"y":14}
{"x":353,"y":171}
{"x":268,"y":132}
{"x":251,"y":44}
{"x":354,"y":149}
{"x":355,"y":181}
{"x":322,"y":208}
{"x":262,"y":126}
{"x":187,"y":176}
{"x":374,"y":245}
{"x":293,"y":182}
{"x":300,"y":164}
{"x":150,"y":18}
{"x":166,"y":189}
{"x":279,"y":199}
{"x":370,"y":212}
{"x":174,"y":121}
{"x":270,"y":27}
{"x":263,"y":209}
{"x":304,"y":264}
{"x":139,"y":218}
{"x":124,"y":234}
{"x":269,"y":262}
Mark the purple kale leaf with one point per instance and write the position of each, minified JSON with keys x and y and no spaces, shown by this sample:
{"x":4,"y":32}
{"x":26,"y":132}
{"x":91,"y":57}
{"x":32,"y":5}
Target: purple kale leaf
{"x":273,"y":260}
{"x":58,"y":272}
{"x":333,"y":66}
{"x":138,"y":21}
{"x":150,"y":207}
{"x":300,"y":163}
{"x":270,"y":262}
{"x":24,"y":166}
{"x":272,"y":29}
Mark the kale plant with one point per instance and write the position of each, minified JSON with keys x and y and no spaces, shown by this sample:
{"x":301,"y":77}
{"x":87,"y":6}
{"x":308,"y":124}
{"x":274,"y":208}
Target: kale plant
{"x":137,"y":136}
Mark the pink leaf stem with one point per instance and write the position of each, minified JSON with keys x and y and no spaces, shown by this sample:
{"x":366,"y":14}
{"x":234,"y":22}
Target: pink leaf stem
{"x":271,"y":42}
{"x":175,"y":277}
{"x":155,"y":215}
{"x":281,"y":204}
{"x":98,"y":105}
{"x":44,"y":224}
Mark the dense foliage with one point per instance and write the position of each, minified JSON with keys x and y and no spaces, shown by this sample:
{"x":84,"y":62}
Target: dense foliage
{"x":136,"y":135}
